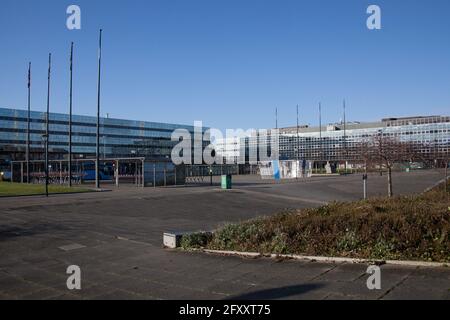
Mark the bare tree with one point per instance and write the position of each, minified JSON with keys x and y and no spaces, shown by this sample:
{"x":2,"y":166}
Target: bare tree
{"x":385,"y":151}
{"x":438,"y":157}
{"x":363,"y":152}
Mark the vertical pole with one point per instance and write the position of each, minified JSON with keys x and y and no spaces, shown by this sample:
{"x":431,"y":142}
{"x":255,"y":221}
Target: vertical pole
{"x":143,"y":173}
{"x":390,"y":193}
{"x":365,"y":189}
{"x":345,"y":142}
{"x":117,"y":173}
{"x":139,"y":174}
{"x":320,"y":130}
{"x":28,"y":123}
{"x":210,"y":176}
{"x":97,"y":153}
{"x":446,"y":166}
{"x":446,"y":174}
{"x":138,"y":168}
{"x":154,"y":175}
{"x":104,"y":146}
{"x":365,"y":182}
{"x":276,"y":118}
{"x":21,"y":172}
{"x":47,"y":137}
{"x":70,"y":116}
{"x":298,"y":145}
{"x":165,"y":181}
{"x":446,"y":171}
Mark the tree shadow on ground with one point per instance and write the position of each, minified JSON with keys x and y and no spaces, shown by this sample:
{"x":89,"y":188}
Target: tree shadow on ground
{"x":278,"y":293}
{"x":7,"y":232}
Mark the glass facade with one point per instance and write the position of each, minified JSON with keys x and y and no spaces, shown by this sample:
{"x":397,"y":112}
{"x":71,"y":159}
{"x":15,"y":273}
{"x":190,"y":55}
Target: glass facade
{"x":118,"y":138}
{"x":336,"y":143}
{"x":430,"y":136}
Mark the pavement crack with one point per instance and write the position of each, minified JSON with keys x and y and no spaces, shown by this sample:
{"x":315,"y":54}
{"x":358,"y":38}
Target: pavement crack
{"x":393,"y":287}
{"x":324,"y":273}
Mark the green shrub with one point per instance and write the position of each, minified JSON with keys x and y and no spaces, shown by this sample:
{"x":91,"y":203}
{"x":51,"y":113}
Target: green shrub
{"x":349,"y":242}
{"x":408,"y":228}
{"x":195,"y":240}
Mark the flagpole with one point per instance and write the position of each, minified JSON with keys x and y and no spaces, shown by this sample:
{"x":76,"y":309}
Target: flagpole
{"x":298,"y":145}
{"x":320,"y":131}
{"x":298,"y":138}
{"x":70,"y":116}
{"x":28,"y":123}
{"x":97,"y":153}
{"x":47,"y":137}
{"x":345,"y":142}
{"x":276,"y":118}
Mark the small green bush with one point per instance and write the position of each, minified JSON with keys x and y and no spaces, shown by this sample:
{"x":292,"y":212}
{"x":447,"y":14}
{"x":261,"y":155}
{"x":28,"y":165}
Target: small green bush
{"x":195,"y":240}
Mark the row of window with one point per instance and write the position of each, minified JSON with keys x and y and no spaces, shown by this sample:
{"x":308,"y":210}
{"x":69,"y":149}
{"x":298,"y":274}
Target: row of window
{"x":88,"y":121}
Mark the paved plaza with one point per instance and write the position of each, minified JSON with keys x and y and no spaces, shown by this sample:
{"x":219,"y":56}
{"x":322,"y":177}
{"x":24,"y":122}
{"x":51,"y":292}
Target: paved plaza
{"x":116,"y":239}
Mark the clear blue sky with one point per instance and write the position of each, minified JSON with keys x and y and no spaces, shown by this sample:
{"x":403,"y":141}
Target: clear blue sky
{"x":229,"y":63}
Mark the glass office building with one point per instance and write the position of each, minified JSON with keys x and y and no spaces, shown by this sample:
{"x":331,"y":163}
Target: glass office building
{"x":118,"y":138}
{"x":336,"y":142}
{"x":430,"y":136}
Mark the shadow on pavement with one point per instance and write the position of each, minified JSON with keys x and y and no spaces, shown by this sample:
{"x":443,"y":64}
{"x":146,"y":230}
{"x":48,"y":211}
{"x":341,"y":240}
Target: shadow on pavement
{"x":278,"y":293}
{"x":7,"y":232}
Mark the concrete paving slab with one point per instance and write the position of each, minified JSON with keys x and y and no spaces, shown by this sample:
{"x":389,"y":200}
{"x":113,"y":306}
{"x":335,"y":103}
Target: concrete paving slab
{"x":123,"y":256}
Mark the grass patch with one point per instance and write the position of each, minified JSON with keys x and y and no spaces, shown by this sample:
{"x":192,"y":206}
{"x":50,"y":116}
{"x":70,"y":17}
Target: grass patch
{"x":23,"y":189}
{"x":401,"y":228}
